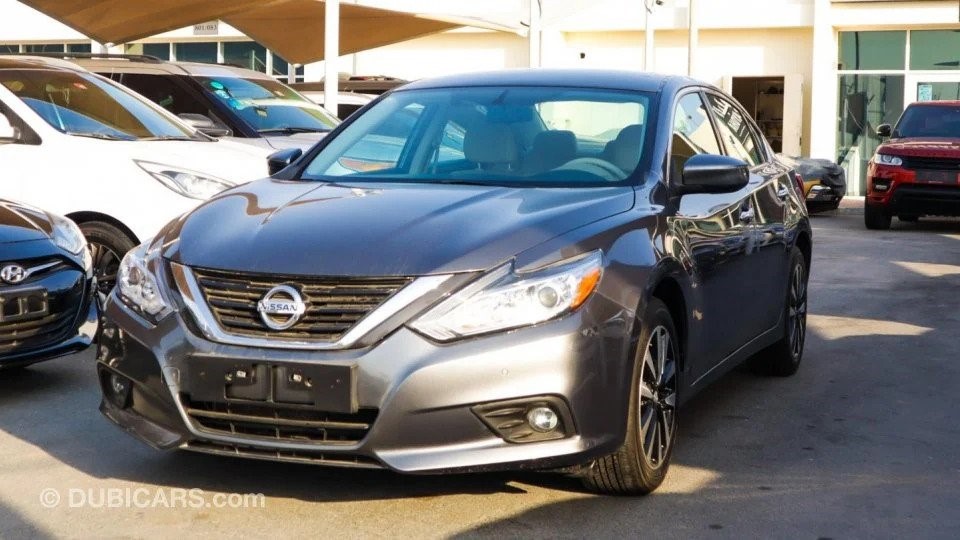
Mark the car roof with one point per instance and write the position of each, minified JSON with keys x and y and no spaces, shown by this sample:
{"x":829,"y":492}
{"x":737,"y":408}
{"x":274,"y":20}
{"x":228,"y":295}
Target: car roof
{"x":200,"y":69}
{"x":36,"y":62}
{"x":940,"y":103}
{"x":577,"y":78}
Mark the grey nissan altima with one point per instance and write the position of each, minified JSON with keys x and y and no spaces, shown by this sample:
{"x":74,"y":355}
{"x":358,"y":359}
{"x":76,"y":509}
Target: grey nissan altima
{"x":521,"y":269}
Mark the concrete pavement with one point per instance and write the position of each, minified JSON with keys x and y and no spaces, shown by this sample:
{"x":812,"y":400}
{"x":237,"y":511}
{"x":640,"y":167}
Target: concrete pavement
{"x":862,"y":442}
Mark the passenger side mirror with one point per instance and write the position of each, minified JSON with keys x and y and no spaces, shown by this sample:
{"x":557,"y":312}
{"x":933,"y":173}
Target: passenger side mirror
{"x":884,"y":130}
{"x":8,"y":133}
{"x":710,"y":173}
{"x":281,"y":159}
{"x":204,"y":124}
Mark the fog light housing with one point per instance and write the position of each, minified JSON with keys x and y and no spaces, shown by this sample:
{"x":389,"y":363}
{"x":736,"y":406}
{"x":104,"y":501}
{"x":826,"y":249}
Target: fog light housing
{"x":526,"y":420}
{"x":542,"y":419}
{"x":881,"y":186}
{"x":116,"y":388}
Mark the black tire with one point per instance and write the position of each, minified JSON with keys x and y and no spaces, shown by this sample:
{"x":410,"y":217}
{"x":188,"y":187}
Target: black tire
{"x":632,"y":470}
{"x":108,"y":245}
{"x":875,"y":218}
{"x":782,"y":359}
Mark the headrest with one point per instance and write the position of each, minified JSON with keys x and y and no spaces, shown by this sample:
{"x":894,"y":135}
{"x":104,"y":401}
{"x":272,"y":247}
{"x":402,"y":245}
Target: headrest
{"x":490,"y":143}
{"x":556,"y":141}
{"x":627,"y":147}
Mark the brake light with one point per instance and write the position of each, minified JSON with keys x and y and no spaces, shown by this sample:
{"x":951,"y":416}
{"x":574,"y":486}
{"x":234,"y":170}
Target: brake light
{"x":799,"y":180}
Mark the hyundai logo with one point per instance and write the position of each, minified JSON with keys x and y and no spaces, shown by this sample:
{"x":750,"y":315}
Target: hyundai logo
{"x":13,"y":274}
{"x":281,"y":307}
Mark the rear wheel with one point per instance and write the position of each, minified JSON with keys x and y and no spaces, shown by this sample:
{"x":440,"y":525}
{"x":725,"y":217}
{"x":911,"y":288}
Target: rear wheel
{"x":641,"y":464}
{"x":783,"y":357}
{"x":874,"y":217}
{"x":108,"y":245}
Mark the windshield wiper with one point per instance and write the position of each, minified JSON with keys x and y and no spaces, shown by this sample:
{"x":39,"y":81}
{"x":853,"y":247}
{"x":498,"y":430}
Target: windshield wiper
{"x":294,"y":130}
{"x":170,"y":138}
{"x":98,"y":135}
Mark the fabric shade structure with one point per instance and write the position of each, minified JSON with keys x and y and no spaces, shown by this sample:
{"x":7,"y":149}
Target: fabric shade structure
{"x":294,"y":29}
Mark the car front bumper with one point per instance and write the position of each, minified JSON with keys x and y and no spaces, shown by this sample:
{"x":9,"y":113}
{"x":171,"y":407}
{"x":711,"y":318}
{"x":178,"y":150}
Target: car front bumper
{"x":82,"y":336}
{"x":427,"y":407}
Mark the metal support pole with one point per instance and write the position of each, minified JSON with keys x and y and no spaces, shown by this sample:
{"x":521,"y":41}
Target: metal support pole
{"x":694,"y":38}
{"x":648,"y":61}
{"x":331,"y":51}
{"x":533,"y":33}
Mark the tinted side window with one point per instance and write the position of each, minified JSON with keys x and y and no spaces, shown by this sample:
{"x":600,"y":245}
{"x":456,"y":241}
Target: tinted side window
{"x":735,"y":131}
{"x":692,"y":133}
{"x":164,"y":92}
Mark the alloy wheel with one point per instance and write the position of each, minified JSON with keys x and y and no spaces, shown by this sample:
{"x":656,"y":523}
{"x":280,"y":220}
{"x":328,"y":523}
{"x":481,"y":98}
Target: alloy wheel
{"x":797,"y":311}
{"x":658,"y":397}
{"x":106,"y":264}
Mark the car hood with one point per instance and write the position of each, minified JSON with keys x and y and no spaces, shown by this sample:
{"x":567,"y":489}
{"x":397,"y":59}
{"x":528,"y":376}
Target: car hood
{"x":305,"y":228}
{"x":921,"y":146}
{"x":303,"y":141}
{"x":19,"y":223}
{"x":238,"y":163}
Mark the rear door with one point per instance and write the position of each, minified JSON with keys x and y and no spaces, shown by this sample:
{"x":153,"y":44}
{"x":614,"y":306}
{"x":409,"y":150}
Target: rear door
{"x":764,"y":274}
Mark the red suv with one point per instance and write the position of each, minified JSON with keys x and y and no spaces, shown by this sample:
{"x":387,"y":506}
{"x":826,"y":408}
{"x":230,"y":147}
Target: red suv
{"x":917,"y":172}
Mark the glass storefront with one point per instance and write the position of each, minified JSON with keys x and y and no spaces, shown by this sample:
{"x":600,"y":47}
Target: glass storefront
{"x":196,"y":52}
{"x":879,"y":74}
{"x":866,"y":101}
{"x":159,"y":50}
{"x":246,"y":54}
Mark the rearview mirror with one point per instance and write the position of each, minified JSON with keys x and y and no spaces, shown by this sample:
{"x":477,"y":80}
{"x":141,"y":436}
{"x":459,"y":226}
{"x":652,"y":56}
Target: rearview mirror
{"x":204,"y":124}
{"x":710,"y":173}
{"x":884,"y":130}
{"x":281,"y":159}
{"x":8,"y":133}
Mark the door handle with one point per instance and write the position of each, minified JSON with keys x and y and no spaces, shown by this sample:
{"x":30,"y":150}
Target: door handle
{"x":783,"y":193}
{"x":746,"y":216}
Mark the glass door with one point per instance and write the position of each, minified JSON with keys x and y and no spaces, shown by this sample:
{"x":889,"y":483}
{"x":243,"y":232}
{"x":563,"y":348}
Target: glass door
{"x":932,"y":87}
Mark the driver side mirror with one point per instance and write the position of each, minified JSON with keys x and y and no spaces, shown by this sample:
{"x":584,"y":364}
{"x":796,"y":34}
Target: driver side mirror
{"x":884,"y":130}
{"x":710,"y":173}
{"x":281,"y":159}
{"x":8,"y":133}
{"x":204,"y":124}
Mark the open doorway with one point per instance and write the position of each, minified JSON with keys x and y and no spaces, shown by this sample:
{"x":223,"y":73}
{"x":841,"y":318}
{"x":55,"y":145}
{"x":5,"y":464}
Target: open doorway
{"x":762,"y":97}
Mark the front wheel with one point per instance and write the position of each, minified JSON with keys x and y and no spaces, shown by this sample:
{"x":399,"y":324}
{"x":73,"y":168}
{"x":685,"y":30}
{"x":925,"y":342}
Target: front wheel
{"x":640,"y":464}
{"x":108,"y":245}
{"x":875,"y":218}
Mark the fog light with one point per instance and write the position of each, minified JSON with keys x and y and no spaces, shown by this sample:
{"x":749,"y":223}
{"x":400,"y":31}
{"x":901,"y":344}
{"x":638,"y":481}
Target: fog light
{"x":542,"y":419}
{"x":880,"y":186}
{"x":116,"y":388}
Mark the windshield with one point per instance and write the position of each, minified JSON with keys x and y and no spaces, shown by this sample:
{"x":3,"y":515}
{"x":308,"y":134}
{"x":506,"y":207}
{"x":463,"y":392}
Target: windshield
{"x":268,"y":106}
{"x":929,"y":121}
{"x":520,"y":136}
{"x":84,"y":104}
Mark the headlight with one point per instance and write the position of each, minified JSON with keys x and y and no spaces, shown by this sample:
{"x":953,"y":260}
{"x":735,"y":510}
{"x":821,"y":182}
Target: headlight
{"x":503,"y":299}
{"x":885,"y":159}
{"x":137,"y":283}
{"x":188,"y":183}
{"x":67,"y":236}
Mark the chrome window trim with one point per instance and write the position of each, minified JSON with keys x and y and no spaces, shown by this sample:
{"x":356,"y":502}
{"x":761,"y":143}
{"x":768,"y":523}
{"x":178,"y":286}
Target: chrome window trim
{"x":186,"y":282}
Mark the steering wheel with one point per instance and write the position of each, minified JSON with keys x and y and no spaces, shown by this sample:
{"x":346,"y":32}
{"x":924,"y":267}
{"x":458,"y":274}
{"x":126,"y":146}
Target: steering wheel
{"x":596,"y":166}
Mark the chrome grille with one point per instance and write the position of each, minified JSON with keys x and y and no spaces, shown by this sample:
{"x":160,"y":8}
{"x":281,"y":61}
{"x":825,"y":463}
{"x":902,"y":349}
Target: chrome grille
{"x":281,"y":423}
{"x":333,"y":305}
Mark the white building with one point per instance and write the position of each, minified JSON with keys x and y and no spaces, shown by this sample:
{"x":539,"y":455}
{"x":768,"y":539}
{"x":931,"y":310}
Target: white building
{"x":819,"y":75}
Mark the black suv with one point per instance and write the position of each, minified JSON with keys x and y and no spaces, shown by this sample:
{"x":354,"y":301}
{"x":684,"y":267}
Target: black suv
{"x":504,"y":270}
